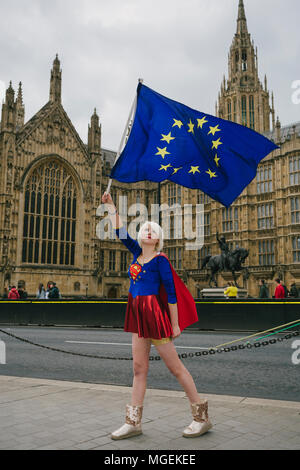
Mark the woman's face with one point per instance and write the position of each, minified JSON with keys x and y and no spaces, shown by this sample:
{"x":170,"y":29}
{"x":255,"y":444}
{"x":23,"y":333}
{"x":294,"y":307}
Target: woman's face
{"x":149,"y":236}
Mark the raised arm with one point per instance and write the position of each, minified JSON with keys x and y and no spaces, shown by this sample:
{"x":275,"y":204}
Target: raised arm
{"x":119,"y":227}
{"x":112,"y":211}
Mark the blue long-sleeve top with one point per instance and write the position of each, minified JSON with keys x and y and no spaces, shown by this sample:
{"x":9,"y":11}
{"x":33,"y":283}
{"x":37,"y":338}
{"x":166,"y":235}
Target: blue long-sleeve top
{"x":152,"y":274}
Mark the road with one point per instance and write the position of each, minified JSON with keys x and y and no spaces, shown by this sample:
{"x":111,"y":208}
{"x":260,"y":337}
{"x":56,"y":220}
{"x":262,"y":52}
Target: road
{"x":266,"y":372}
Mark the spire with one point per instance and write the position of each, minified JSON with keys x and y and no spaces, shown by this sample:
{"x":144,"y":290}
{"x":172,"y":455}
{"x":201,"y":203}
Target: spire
{"x":55,"y":82}
{"x":20,"y":95}
{"x":8,"y":116}
{"x":278,"y":130}
{"x":20,"y":110}
{"x":243,"y":80}
{"x":273,"y":112}
{"x":241,"y":21}
{"x":10,"y":95}
{"x":94,"y":134}
{"x":95,"y":119}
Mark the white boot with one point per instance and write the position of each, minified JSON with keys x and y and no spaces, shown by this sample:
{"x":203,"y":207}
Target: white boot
{"x":132,"y":426}
{"x":201,"y":423}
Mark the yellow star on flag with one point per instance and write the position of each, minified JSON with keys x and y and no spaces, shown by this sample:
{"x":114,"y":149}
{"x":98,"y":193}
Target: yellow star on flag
{"x":211,"y":174}
{"x":213,"y":130}
{"x":216,"y":144}
{"x":191,"y":127}
{"x":167,"y":138}
{"x":217,"y":160}
{"x":194,"y":169}
{"x":177,"y":123}
{"x":165,"y":167}
{"x":201,"y":122}
{"x":176,"y":170}
{"x":162,"y":152}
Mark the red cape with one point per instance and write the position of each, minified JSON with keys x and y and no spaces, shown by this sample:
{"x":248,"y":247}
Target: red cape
{"x":187,"y":311}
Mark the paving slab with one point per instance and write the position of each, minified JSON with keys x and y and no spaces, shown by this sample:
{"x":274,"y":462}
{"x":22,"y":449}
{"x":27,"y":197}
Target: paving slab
{"x":42,"y":414}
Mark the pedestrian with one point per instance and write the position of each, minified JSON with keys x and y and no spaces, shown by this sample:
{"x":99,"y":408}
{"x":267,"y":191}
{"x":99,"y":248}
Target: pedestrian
{"x":6,"y":292}
{"x":47,"y":291}
{"x":294,"y":291}
{"x":22,"y":293}
{"x":41,"y":293}
{"x":279,"y":291}
{"x":226,"y":288}
{"x":13,"y":294}
{"x":53,"y":291}
{"x":263,"y":291}
{"x":231,"y":291}
{"x":286,"y":291}
{"x":159,"y":307}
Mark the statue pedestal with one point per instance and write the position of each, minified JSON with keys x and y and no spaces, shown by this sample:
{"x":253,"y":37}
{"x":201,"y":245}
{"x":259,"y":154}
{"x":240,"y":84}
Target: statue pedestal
{"x":218,"y":292}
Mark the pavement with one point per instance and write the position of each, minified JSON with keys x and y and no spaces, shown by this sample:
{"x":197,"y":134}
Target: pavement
{"x":41,"y":414}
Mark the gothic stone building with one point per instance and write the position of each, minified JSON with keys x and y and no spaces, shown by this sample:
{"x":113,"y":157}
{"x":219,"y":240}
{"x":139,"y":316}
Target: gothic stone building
{"x":51,"y":185}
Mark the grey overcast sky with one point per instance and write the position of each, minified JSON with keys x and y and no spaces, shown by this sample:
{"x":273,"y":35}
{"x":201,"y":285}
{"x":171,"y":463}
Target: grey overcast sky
{"x":179,"y":47}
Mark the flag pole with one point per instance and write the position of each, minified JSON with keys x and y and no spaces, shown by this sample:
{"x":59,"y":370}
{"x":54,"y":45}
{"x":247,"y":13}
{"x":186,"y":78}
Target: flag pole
{"x":159,"y":204}
{"x":131,"y":115}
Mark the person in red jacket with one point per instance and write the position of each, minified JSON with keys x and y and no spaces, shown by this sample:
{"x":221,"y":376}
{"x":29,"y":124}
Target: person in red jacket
{"x":13,"y":294}
{"x":279,"y":291}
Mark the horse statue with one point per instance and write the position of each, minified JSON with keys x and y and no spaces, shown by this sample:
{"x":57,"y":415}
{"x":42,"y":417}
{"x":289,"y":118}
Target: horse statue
{"x":231,"y":262}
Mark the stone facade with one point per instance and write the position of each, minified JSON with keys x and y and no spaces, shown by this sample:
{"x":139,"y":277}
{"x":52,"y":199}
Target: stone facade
{"x":51,"y":185}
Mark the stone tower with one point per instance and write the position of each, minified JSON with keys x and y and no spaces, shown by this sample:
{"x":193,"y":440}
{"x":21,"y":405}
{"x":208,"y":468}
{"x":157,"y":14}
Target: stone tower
{"x":55,"y":82}
{"x":243,"y":98}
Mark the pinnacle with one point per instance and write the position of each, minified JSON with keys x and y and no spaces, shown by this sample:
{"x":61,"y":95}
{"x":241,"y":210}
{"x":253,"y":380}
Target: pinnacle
{"x":242,"y":20}
{"x":242,"y":14}
{"x":20,"y":94}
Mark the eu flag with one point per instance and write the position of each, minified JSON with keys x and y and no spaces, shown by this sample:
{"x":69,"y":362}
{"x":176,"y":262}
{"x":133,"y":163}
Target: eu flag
{"x":170,"y":141}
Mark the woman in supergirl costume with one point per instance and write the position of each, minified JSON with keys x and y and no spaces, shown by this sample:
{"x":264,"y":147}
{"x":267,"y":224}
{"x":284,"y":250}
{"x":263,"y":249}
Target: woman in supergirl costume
{"x":159,"y":307}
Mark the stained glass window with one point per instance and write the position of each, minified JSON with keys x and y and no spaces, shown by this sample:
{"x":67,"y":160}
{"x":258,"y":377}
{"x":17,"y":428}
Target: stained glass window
{"x":49,"y":222}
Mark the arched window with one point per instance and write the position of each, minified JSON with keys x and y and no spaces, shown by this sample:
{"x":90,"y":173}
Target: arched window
{"x":234,"y":109}
{"x":112,"y":293}
{"x":49,"y":222}
{"x":244,"y":61}
{"x":229,"y":116}
{"x":76,"y":286}
{"x":251,"y":111}
{"x":237,"y":58}
{"x":244,"y":111}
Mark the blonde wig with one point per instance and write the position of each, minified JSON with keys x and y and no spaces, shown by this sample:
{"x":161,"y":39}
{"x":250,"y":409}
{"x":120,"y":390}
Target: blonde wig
{"x":157,"y":229}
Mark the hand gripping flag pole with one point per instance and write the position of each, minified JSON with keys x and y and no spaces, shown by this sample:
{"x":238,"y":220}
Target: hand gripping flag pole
{"x":130,"y":118}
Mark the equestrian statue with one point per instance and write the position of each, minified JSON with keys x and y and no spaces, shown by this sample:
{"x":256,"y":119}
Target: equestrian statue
{"x":226,"y":261}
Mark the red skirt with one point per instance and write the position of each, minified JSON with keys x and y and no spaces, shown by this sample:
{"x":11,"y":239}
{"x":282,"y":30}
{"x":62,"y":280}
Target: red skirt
{"x":147,"y":316}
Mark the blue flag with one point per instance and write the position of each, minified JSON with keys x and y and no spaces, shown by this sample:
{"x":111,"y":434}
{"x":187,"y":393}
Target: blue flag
{"x":170,"y":141}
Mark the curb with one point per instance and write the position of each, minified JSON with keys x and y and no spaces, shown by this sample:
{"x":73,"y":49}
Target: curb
{"x":157,"y":392}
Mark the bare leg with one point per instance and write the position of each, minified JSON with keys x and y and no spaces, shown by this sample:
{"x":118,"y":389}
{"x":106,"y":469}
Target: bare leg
{"x":169,"y":355}
{"x":140,"y":352}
